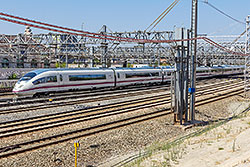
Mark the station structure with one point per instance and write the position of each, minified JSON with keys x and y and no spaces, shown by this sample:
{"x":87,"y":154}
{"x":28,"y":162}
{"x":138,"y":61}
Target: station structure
{"x":28,"y":50}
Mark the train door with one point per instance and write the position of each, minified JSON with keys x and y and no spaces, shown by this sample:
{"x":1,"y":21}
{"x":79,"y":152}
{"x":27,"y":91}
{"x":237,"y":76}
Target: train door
{"x":60,"y":79}
{"x":115,"y":77}
{"x":162,"y":75}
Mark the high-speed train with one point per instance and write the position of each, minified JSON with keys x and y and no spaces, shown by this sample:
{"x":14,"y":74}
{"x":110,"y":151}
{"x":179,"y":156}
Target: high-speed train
{"x":45,"y":81}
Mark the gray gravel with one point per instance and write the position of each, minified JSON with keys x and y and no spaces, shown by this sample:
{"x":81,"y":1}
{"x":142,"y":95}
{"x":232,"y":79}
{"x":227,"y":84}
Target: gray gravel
{"x":98,"y":149}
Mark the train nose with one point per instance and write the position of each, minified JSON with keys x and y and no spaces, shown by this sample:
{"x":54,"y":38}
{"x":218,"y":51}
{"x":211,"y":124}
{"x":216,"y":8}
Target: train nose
{"x":17,"y":88}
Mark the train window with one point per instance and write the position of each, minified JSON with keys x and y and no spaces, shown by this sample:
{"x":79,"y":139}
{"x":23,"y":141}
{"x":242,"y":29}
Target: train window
{"x":61,"y":77}
{"x":28,"y":76}
{"x":118,"y":75}
{"x":136,"y":75}
{"x":86,"y":77}
{"x":155,"y":74}
{"x":39,"y":81}
{"x":214,"y":70}
{"x":51,"y":79}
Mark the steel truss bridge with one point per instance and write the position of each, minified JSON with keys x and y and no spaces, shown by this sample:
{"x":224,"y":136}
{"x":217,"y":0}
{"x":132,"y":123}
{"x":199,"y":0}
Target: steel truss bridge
{"x":65,"y":47}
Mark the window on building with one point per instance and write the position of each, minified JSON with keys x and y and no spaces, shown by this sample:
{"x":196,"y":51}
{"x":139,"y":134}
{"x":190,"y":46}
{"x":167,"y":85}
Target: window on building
{"x":46,"y":63}
{"x":33,"y":63}
{"x":20,"y":62}
{"x":5,"y":63}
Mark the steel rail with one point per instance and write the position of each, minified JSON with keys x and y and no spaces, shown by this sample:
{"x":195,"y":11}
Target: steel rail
{"x":162,"y":99}
{"x":99,"y":128}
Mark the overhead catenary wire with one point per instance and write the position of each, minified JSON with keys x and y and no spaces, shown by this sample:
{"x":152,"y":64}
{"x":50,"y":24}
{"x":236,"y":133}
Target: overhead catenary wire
{"x":56,"y":30}
{"x":112,"y":38}
{"x":238,"y":21}
{"x":162,"y":15}
{"x":60,"y":27}
{"x":220,"y":11}
{"x":240,"y":36}
{"x":159,"y":16}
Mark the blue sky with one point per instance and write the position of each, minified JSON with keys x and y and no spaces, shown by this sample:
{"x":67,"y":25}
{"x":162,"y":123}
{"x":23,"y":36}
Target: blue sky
{"x":125,"y":15}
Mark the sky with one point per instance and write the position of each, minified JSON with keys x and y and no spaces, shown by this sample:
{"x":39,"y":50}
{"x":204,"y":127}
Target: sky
{"x":126,"y":15}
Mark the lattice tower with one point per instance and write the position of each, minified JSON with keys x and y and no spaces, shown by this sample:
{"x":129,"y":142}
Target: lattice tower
{"x":247,"y":59}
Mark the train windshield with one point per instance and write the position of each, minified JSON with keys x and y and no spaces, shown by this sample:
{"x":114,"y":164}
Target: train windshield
{"x":28,"y":76}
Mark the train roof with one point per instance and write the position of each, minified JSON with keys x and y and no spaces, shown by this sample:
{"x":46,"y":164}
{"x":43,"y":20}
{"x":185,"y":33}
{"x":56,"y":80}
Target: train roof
{"x":39,"y":71}
{"x":125,"y":68}
{"x":139,"y":68}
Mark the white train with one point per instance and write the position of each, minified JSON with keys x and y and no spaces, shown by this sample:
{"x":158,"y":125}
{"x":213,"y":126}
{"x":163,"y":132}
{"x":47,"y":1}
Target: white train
{"x":45,"y":81}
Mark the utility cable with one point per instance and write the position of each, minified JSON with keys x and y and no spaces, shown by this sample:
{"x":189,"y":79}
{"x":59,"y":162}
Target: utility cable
{"x":64,"y":28}
{"x":125,"y":39}
{"x":162,"y":15}
{"x":240,"y":35}
{"x":206,"y":2}
{"x":159,"y":16}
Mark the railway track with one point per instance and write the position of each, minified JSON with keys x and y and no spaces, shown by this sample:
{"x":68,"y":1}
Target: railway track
{"x":94,"y":114}
{"x":15,"y":101}
{"x":5,"y":92}
{"x":72,"y":95}
{"x":102,"y":96}
{"x":74,"y":102}
{"x":159,"y":98}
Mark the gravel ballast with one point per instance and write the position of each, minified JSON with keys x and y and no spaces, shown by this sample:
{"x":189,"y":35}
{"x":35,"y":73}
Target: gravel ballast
{"x":99,"y":149}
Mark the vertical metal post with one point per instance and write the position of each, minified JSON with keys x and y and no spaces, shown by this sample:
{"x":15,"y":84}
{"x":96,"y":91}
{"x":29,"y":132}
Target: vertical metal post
{"x":57,"y":57}
{"x":187,"y":76}
{"x":105,"y":48}
{"x":193,"y":58}
{"x":76,"y":145}
{"x":184,"y":72}
{"x":171,"y":92}
{"x":67,"y":60}
{"x":247,"y":58}
{"x":178,"y":86}
{"x":181,"y":77}
{"x":93,"y":57}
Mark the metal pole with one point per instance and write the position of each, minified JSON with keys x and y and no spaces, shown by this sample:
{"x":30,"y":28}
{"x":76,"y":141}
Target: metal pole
{"x":105,"y":48}
{"x":178,"y":87}
{"x":75,"y":156}
{"x":193,"y":57}
{"x":67,"y":60}
{"x":82,"y":26}
{"x":184,"y":73}
{"x":76,"y":145}
{"x":247,"y":64}
{"x":187,"y":77}
{"x":171,"y":92}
